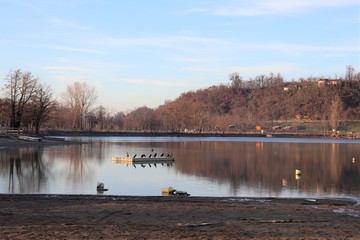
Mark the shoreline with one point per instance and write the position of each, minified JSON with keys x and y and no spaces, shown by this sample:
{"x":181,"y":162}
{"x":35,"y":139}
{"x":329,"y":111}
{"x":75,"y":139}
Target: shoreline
{"x":180,"y":134}
{"x":47,"y":216}
{"x":338,"y":201}
{"x":49,"y":139}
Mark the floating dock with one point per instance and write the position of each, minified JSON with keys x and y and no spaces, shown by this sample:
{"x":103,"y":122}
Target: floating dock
{"x":142,"y":160}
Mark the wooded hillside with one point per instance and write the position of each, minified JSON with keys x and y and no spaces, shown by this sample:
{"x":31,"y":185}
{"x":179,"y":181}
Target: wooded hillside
{"x":266,"y":101}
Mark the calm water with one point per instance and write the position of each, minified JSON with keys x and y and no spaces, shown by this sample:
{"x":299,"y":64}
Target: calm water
{"x":244,"y":167}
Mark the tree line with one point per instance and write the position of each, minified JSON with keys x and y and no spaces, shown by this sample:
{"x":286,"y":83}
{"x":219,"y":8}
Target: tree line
{"x":238,"y":105}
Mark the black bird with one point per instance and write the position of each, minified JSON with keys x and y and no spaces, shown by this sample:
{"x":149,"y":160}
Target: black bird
{"x":150,"y":165}
{"x":134,"y":165}
{"x":162,"y":155}
{"x":152,"y":149}
{"x":143,"y":155}
{"x":150,"y":156}
{"x":155,"y":155}
{"x":143,"y":165}
{"x":134,"y":156}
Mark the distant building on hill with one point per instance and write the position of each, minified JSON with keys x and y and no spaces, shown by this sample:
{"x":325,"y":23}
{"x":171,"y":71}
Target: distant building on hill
{"x":328,"y":82}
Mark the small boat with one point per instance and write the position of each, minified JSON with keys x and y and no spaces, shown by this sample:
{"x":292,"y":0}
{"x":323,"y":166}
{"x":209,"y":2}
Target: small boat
{"x":142,"y":160}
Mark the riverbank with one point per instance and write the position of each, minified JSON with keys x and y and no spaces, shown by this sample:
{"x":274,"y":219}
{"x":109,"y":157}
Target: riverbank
{"x":14,"y":141}
{"x":127,"y":217}
{"x":183,"y":134}
{"x":57,"y":137}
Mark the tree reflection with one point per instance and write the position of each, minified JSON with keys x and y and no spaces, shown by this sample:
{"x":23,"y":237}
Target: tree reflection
{"x":271,"y":165}
{"x":25,"y":169}
{"x":74,"y":163}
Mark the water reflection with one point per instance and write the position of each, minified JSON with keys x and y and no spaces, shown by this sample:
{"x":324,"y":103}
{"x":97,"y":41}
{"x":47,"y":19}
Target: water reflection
{"x":326,"y":168}
{"x":25,"y":170}
{"x":208,"y":168}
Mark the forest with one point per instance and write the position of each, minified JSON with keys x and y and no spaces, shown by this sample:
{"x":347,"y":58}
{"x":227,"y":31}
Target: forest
{"x":265,"y":102}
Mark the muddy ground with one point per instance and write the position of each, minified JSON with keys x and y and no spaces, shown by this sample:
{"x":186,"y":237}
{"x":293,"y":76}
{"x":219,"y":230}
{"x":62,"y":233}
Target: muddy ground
{"x":175,"y":217}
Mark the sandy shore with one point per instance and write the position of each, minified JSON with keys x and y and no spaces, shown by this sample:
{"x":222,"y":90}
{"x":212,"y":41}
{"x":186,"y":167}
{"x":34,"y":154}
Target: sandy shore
{"x":126,"y":217}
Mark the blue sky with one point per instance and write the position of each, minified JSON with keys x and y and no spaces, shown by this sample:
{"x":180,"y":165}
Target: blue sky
{"x":142,"y":53}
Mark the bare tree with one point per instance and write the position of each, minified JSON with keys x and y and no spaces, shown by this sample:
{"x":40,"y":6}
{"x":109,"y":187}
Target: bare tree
{"x":20,"y":89}
{"x":101,"y":116}
{"x":336,"y":109}
{"x":4,"y":112}
{"x":80,"y":97}
{"x":43,"y":104}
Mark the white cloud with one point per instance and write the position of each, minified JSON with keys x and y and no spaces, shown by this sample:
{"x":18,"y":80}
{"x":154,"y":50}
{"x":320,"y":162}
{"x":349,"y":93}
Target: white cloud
{"x":262,"y":69}
{"x":71,"y":73}
{"x":335,"y":55}
{"x":69,"y":69}
{"x":153,"y":41}
{"x":62,"y":22}
{"x":150,"y":82}
{"x":73,"y":49}
{"x":274,"y":7}
{"x":194,"y":59}
{"x":289,"y":47}
{"x":70,"y":78}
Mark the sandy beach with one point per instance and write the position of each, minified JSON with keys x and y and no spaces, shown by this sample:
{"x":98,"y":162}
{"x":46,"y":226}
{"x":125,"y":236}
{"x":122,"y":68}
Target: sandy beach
{"x":174,"y":217}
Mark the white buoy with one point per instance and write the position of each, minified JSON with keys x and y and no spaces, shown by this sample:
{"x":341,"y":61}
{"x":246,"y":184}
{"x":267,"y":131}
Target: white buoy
{"x":100,"y":187}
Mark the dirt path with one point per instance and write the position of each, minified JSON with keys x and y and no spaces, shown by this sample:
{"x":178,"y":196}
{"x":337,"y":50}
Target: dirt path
{"x":118,"y":217}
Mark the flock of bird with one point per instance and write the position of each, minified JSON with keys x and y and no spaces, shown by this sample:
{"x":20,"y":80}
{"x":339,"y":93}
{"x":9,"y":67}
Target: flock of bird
{"x":151,"y":155}
{"x":154,"y":156}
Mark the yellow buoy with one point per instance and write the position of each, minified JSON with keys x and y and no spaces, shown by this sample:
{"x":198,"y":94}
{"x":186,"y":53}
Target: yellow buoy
{"x":168,"y":190}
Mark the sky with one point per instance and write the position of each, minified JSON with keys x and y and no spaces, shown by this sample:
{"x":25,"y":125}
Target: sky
{"x":143,"y":53}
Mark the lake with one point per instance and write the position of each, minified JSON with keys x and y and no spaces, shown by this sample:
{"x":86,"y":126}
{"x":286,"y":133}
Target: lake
{"x":209,"y":166}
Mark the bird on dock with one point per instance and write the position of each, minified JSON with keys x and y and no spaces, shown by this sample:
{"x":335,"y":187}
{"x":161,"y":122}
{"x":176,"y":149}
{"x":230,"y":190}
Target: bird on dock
{"x":134,"y":156}
{"x":134,"y":165}
{"x":155,"y":155}
{"x":143,"y":155}
{"x":150,"y":165}
{"x":143,"y":165}
{"x":150,"y":156}
{"x":162,"y":155}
